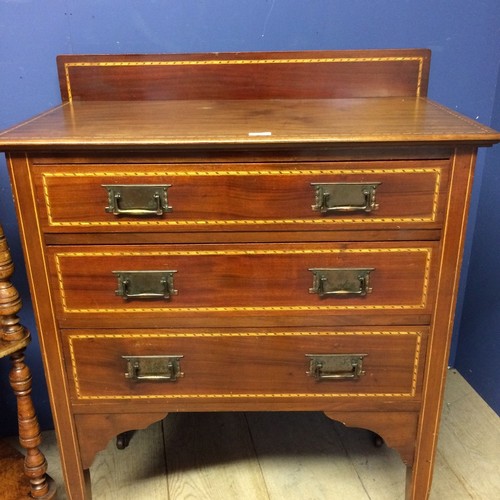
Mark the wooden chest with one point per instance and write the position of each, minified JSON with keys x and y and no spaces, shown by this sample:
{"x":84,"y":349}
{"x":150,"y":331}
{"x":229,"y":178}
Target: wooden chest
{"x":228,"y":232}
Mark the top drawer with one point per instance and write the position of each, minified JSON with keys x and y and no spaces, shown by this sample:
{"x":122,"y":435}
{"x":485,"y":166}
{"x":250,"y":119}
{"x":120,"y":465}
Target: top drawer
{"x":241,"y":196}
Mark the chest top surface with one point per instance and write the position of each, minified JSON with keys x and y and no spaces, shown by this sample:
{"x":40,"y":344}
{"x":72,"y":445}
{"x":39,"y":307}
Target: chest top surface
{"x":102,"y":124}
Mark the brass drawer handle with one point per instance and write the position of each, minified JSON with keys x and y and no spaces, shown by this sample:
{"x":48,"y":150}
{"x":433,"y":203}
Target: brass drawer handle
{"x":137,"y":199}
{"x":341,"y":281}
{"x":153,"y":368}
{"x":145,"y":284}
{"x":335,"y":366}
{"x":334,"y":197}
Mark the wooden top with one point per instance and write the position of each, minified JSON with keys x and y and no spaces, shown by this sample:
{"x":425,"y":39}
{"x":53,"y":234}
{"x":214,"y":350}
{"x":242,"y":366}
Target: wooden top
{"x":8,"y":347}
{"x":244,"y":100}
{"x":173,"y":124}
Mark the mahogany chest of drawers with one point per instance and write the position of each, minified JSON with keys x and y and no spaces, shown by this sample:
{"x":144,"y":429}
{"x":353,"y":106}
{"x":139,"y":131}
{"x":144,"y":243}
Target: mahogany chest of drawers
{"x":229,"y":232}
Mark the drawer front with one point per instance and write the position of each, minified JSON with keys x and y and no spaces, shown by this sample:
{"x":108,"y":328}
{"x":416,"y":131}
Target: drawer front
{"x":163,"y":283}
{"x":244,"y":364}
{"x":222,"y":197}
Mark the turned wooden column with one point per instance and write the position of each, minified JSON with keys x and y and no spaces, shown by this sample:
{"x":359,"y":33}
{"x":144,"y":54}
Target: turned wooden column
{"x":13,"y":340}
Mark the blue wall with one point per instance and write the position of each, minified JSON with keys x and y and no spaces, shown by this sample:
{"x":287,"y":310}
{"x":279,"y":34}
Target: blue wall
{"x":478,"y":353}
{"x":463,"y":35}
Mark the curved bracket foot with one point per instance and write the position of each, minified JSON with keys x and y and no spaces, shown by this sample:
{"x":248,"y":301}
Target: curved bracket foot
{"x":109,"y":425}
{"x":397,"y":429}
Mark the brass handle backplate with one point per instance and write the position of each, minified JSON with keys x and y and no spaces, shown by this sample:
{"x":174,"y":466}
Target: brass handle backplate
{"x":145,"y":284}
{"x":334,"y":197}
{"x":335,"y":366}
{"x":341,"y":281}
{"x":137,"y":199}
{"x":153,"y":368}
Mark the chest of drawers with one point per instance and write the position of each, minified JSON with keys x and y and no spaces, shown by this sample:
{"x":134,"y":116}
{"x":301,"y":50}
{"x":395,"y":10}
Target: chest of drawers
{"x":231,"y":232}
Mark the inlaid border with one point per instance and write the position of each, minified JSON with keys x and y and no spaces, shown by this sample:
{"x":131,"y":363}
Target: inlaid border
{"x":427,"y":251}
{"x":437,"y":171}
{"x":221,"y":62}
{"x":72,"y":338}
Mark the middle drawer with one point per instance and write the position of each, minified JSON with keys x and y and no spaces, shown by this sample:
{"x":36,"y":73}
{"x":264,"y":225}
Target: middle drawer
{"x":159,"y":285}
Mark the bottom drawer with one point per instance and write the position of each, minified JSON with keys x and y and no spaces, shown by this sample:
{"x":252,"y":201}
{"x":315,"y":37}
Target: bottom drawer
{"x":129,"y":364}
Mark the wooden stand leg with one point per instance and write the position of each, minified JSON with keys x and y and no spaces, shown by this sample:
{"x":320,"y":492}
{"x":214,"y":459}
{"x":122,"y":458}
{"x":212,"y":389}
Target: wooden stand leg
{"x":13,"y":340}
{"x":35,"y":465}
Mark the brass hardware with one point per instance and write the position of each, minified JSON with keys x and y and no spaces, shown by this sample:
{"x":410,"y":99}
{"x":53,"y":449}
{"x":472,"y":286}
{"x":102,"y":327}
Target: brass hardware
{"x":153,"y":368}
{"x":345,"y":197}
{"x":137,"y":199}
{"x":145,"y":284}
{"x":341,"y":281}
{"x":335,"y":366}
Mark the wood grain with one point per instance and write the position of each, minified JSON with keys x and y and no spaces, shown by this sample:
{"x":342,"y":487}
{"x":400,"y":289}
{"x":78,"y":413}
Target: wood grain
{"x":241,"y":75}
{"x":109,"y":426}
{"x":472,"y":445}
{"x":297,"y":451}
{"x":244,"y":124}
{"x":14,"y":485}
{"x":238,"y":365}
{"x":211,"y":456}
{"x":242,"y":196}
{"x":378,"y":469}
{"x":249,"y":280}
{"x":136,"y":472}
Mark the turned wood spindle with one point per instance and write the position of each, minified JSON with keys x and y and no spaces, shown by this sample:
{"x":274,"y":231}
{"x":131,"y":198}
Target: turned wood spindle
{"x":13,"y":341}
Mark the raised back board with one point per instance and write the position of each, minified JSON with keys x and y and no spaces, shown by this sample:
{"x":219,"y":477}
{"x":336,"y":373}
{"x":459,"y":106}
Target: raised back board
{"x":245,"y":75}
